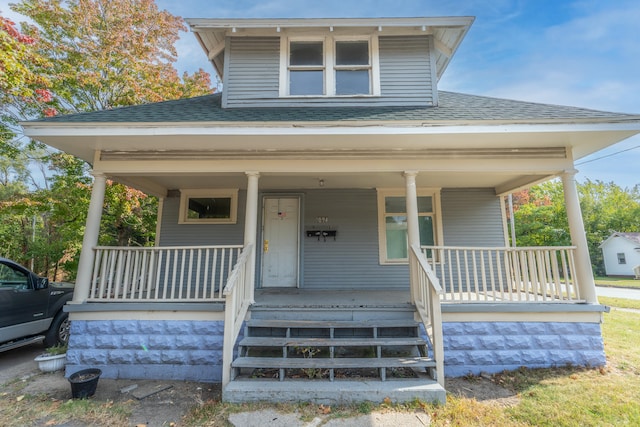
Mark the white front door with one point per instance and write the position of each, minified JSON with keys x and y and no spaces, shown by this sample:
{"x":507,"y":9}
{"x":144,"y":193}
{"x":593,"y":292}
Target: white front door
{"x":281,"y":237}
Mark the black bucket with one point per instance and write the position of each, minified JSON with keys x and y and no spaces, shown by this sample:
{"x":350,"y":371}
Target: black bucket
{"x":84,"y":383}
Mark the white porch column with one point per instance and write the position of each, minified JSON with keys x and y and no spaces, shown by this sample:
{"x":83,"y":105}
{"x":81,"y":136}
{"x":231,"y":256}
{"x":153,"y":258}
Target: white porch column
{"x":413,"y":228}
{"x":251,"y":226}
{"x":90,"y":240}
{"x":584,"y":273}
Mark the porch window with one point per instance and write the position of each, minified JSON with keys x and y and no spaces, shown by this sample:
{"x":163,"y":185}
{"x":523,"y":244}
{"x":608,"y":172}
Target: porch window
{"x":621,"y":258}
{"x":392,"y":223}
{"x":208,"y":206}
{"x":329,"y":66}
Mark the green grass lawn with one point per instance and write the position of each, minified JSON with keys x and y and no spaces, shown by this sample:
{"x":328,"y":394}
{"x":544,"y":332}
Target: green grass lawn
{"x":617,"y":281}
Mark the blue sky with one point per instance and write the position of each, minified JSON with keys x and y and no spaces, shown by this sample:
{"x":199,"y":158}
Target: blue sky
{"x":583,"y":53}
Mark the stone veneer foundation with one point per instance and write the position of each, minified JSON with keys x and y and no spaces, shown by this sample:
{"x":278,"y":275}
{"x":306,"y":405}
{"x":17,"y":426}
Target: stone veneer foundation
{"x":192,"y":350}
{"x":475,"y":347}
{"x":164,"y":350}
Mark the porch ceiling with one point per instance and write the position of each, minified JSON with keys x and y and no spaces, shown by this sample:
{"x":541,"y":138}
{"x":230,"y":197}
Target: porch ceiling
{"x":271,"y":181}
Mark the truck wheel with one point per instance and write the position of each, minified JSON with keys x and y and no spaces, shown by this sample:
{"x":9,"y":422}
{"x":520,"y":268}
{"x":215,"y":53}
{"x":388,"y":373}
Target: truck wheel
{"x":58,"y":333}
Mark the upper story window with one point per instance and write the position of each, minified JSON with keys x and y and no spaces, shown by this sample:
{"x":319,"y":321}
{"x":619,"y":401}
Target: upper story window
{"x":329,"y":66}
{"x":353,"y":68}
{"x":306,"y":68}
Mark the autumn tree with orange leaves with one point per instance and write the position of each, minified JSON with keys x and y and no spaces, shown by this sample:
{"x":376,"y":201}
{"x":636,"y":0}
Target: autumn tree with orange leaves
{"x":23,"y":91}
{"x":77,"y":56}
{"x":109,"y":53}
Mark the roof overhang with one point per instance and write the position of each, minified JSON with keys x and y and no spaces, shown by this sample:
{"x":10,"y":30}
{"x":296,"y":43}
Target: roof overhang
{"x":447,"y":32}
{"x":83,"y":139}
{"x":503,"y":156}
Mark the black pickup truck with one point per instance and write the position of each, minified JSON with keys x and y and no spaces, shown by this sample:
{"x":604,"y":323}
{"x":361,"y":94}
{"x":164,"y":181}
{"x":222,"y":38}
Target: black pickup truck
{"x":31,"y":308}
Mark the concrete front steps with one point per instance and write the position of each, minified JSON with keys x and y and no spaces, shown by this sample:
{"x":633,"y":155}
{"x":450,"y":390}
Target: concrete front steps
{"x":332,"y":362}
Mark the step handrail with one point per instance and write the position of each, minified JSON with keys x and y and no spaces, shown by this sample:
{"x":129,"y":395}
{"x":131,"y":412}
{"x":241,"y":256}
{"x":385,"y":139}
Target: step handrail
{"x":426,"y":291}
{"x":237,"y":293}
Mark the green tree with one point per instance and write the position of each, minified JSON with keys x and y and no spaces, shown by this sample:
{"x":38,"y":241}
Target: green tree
{"x":541,"y":217}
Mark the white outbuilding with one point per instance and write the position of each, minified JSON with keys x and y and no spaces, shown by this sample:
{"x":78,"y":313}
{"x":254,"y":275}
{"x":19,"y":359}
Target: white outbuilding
{"x":621,"y":253}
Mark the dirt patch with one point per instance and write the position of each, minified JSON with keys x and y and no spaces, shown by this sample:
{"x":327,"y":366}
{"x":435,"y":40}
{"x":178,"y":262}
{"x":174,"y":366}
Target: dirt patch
{"x":482,"y":388}
{"x":176,"y":398}
{"x":169,"y":405}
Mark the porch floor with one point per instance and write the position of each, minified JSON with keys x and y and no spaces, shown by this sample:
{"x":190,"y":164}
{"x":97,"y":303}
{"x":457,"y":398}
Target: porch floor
{"x":331,"y":304}
{"x":331,"y":298}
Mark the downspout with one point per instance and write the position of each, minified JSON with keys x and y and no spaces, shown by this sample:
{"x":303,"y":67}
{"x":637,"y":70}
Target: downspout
{"x":512,"y":221}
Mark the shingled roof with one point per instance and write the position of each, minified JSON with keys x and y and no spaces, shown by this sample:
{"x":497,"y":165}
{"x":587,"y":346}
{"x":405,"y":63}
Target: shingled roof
{"x":453,"y":107}
{"x":634,"y":237}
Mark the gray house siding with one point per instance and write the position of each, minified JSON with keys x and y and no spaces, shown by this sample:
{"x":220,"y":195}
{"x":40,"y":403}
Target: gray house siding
{"x":252,"y":70}
{"x":405,"y":71}
{"x":352,"y":259}
{"x":174,"y":234}
{"x":470,"y":217}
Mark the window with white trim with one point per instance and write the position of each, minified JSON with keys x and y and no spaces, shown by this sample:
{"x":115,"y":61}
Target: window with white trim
{"x":392,"y":223}
{"x":329,"y":66}
{"x":622,"y":259}
{"x":208,"y":206}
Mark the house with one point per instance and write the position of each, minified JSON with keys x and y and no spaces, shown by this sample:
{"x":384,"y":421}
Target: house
{"x":331,"y":202}
{"x":621,"y":252}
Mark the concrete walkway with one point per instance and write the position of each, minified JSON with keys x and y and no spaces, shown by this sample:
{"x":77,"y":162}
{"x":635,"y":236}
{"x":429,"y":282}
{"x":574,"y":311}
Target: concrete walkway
{"x":613,"y":292}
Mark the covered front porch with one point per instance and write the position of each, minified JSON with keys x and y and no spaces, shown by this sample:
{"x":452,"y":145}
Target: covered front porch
{"x":444,"y":287}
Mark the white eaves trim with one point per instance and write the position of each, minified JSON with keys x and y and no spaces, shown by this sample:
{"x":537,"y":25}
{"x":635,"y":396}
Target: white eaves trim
{"x":33,"y":129}
{"x":205,"y":23}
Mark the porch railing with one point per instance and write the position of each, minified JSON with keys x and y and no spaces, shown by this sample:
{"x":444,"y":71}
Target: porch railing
{"x":161,"y":274}
{"x":528,"y":274}
{"x":238,"y":297}
{"x":426,"y":291}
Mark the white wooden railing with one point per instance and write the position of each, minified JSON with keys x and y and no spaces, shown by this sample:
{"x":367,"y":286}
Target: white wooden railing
{"x":426,"y":291}
{"x":238,"y":297}
{"x":161,"y":274}
{"x":532,"y":274}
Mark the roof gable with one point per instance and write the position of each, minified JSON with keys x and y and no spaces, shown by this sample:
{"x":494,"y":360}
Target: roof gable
{"x":448,"y":32}
{"x":631,"y":237}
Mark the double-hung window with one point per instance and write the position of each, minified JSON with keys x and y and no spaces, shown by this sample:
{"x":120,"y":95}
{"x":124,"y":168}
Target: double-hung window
{"x":352,"y":68}
{"x":393,"y":228}
{"x":306,"y":68}
{"x":329,"y":66}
